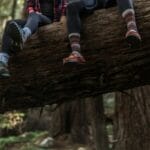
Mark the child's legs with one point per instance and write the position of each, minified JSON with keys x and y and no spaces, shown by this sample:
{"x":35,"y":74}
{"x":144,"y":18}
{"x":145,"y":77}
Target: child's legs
{"x":75,"y":9}
{"x":102,"y":4}
{"x":6,"y":40}
{"x":74,"y":28}
{"x":35,"y":20}
{"x":128,"y":14}
{"x":73,"y":16}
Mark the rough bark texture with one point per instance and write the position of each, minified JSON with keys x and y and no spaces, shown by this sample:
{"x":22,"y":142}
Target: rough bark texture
{"x":132,"y":123}
{"x":83,"y":121}
{"x":39,"y":78}
{"x":72,"y":120}
{"x":98,"y":121}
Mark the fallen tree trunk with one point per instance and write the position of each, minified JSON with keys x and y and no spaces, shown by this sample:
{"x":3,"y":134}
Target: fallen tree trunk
{"x":39,"y":78}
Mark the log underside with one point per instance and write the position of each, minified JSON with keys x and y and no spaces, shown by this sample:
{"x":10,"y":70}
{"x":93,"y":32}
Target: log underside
{"x":39,"y":78}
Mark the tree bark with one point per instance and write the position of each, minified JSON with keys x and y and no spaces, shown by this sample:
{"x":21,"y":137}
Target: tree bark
{"x":14,"y":9}
{"x":83,"y":121}
{"x":98,"y":121}
{"x":39,"y":78}
{"x":132,"y":124}
{"x":71,"y":119}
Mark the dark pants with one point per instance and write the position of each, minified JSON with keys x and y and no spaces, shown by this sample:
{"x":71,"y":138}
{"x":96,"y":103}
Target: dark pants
{"x":33,"y":22}
{"x":77,"y":7}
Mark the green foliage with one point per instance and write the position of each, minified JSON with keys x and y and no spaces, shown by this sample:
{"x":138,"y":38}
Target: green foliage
{"x":6,"y":7}
{"x":20,"y":5}
{"x":11,"y":119}
{"x":26,"y":140}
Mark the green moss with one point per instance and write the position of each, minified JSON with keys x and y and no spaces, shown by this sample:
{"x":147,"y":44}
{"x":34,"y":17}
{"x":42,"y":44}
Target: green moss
{"x":26,"y":138}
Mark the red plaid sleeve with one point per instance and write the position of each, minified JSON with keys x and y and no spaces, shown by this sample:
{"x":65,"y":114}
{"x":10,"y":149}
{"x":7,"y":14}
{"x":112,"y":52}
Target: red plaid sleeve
{"x":63,"y":9}
{"x":30,"y":6}
{"x":33,"y":6}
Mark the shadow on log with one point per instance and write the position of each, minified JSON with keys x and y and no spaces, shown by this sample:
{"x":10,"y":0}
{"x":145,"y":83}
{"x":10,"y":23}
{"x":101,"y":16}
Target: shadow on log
{"x":39,"y":77}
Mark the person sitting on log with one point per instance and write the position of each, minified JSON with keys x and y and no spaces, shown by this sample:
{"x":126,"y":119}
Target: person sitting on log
{"x":77,"y":7}
{"x":16,"y":33}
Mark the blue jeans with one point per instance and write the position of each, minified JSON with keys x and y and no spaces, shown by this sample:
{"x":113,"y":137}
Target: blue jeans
{"x":33,"y":22}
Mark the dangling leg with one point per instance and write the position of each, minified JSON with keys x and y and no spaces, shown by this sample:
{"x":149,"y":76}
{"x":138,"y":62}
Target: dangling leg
{"x":74,"y":29}
{"x":21,"y":34}
{"x":15,"y":34}
{"x":132,"y":36}
{"x":8,"y":47}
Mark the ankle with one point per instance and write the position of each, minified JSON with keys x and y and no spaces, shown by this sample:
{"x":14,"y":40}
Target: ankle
{"x":4,"y":57}
{"x":132,"y":26}
{"x":75,"y":41}
{"x":129,"y":17}
{"x":75,"y":47}
{"x":127,"y":13}
{"x":76,"y":53}
{"x":26,"y":33}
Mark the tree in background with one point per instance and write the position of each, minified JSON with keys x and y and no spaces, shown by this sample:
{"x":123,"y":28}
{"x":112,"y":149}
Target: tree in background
{"x":132,"y":123}
{"x":9,"y":10}
{"x":84,"y":121}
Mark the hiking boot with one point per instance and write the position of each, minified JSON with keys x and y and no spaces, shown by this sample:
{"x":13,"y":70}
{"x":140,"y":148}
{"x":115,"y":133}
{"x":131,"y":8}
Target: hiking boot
{"x":133,"y":38}
{"x":16,"y":33}
{"x":74,"y":58}
{"x":4,"y":72}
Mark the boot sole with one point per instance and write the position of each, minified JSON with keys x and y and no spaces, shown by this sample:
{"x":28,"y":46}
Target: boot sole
{"x":15,"y":34}
{"x":4,"y":76}
{"x":4,"y":72}
{"x":71,"y":64}
{"x":133,"y":41}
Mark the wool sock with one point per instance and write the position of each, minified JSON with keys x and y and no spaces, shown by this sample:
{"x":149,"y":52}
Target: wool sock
{"x":75,"y":41}
{"x":129,"y":17}
{"x":4,"y":57}
{"x":26,"y":33}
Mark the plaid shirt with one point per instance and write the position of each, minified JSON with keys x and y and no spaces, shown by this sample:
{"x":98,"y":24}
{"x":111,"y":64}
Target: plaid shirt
{"x":59,"y":7}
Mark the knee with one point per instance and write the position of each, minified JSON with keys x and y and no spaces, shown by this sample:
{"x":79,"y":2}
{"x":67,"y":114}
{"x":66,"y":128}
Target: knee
{"x":33,"y":14}
{"x":33,"y":17}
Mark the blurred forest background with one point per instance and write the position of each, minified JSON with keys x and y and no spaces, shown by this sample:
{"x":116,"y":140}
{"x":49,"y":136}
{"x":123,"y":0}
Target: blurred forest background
{"x":119,"y":121}
{"x":10,"y":10}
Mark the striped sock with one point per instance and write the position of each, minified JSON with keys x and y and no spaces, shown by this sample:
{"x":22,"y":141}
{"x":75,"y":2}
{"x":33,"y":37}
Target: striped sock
{"x":129,"y":17}
{"x":75,"y":41}
{"x":26,"y":33}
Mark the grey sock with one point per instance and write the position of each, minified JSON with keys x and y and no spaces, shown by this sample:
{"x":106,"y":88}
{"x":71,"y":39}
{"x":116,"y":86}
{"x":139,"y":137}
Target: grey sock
{"x":75,"y":41}
{"x":26,"y":33}
{"x":4,"y":57}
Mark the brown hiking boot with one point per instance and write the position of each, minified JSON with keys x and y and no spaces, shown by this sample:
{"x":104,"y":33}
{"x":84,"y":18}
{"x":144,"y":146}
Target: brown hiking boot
{"x":133,"y":38}
{"x":16,"y":33}
{"x":74,"y":58}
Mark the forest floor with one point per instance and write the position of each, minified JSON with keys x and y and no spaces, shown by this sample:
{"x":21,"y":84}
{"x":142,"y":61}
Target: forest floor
{"x":38,"y":141}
